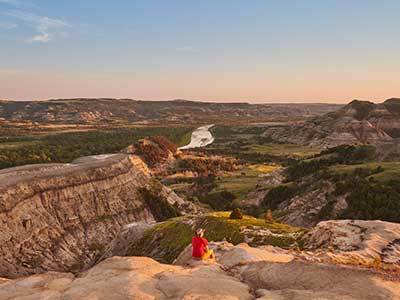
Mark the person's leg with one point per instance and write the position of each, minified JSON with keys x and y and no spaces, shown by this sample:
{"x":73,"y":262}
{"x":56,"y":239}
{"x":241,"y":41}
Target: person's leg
{"x":208,"y":254}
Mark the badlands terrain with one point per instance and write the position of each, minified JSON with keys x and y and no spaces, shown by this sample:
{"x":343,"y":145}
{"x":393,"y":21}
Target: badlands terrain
{"x":128,"y":111}
{"x":100,"y":198}
{"x":359,"y":122}
{"x":241,"y":272}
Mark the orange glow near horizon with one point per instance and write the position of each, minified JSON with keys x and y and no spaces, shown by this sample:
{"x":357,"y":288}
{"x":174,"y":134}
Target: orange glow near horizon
{"x":30,"y":86}
{"x":254,"y":51}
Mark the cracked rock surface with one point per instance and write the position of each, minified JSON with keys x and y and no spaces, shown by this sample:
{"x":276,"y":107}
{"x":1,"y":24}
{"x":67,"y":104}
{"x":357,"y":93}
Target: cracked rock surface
{"x":241,"y":273}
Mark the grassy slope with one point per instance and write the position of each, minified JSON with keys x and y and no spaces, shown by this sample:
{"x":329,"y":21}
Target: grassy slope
{"x":283,"y":149}
{"x":391,"y":170}
{"x":166,"y":240}
{"x":244,"y":180}
{"x":184,"y":139}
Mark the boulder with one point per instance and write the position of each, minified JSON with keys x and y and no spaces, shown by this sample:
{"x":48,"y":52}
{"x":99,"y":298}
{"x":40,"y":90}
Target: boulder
{"x":228,"y":255}
{"x":298,"y":280}
{"x":369,"y":243}
{"x":122,"y":278}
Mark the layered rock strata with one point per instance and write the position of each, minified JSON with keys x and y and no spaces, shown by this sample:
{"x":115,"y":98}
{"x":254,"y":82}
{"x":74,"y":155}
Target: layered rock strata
{"x":60,"y":216}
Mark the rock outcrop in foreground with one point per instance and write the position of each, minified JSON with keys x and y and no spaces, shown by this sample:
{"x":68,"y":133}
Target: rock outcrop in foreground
{"x":368,"y":243}
{"x":242,"y":273}
{"x":59,"y":217}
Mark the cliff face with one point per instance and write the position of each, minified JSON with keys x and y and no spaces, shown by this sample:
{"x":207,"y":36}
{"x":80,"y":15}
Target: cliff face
{"x":60,"y":216}
{"x":359,"y":122}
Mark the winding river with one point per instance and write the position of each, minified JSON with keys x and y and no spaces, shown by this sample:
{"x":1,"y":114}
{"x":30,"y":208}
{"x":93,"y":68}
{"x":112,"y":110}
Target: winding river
{"x":201,"y":137}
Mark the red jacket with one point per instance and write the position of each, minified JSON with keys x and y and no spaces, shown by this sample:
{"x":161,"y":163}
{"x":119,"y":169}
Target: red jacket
{"x":198,"y":245}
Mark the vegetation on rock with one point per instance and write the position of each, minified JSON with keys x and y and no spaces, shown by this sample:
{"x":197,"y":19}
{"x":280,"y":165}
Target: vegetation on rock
{"x":165,"y":241}
{"x":236,"y":214}
{"x":159,"y":207}
{"x":155,"y":150}
{"x":268,"y":217}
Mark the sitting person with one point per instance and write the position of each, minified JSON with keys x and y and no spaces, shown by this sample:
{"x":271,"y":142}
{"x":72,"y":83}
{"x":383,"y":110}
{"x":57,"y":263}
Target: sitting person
{"x":200,"y":246}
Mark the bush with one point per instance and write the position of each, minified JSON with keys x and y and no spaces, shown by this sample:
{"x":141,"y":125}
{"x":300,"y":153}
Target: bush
{"x":268,"y":217}
{"x":236,"y":214}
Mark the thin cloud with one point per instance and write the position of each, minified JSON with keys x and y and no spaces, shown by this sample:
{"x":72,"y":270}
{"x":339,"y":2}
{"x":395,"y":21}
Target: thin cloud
{"x":17,"y":3}
{"x":187,"y":49}
{"x":46,"y":27}
{"x":7,"y":25}
{"x":40,"y":38}
{"x":11,"y":2}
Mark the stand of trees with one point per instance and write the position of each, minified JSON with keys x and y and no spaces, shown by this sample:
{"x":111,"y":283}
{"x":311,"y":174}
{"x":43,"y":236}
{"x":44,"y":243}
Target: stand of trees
{"x":65,"y":147}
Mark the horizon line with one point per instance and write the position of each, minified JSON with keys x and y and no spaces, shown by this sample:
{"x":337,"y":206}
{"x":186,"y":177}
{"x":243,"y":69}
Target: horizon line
{"x":274,"y":102}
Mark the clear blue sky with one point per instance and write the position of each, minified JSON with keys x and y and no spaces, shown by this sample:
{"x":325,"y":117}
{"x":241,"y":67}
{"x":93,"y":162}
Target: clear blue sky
{"x":222,"y":50}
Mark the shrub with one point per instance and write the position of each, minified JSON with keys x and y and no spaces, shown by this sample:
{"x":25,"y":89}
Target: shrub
{"x":236,"y":214}
{"x":268,"y":217}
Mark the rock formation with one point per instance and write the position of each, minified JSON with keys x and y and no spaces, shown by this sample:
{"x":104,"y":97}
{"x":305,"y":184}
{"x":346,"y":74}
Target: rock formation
{"x":59,"y":217}
{"x":304,"y":209}
{"x":241,"y":273}
{"x":157,"y":153}
{"x":368,"y":243}
{"x":360,"y":122}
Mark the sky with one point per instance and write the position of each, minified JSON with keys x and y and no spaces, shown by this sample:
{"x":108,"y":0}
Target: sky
{"x":211,"y":50}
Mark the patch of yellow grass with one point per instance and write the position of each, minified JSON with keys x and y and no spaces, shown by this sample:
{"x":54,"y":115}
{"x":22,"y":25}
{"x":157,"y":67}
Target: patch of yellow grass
{"x":264,"y":168}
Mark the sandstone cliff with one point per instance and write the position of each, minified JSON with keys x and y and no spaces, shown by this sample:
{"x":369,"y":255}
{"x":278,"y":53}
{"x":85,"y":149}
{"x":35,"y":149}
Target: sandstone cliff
{"x":59,"y":217}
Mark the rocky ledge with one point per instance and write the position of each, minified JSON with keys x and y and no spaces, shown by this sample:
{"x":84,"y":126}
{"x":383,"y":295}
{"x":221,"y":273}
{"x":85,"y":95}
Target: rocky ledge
{"x":59,"y":217}
{"x":367,"y":243}
{"x":241,"y":273}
